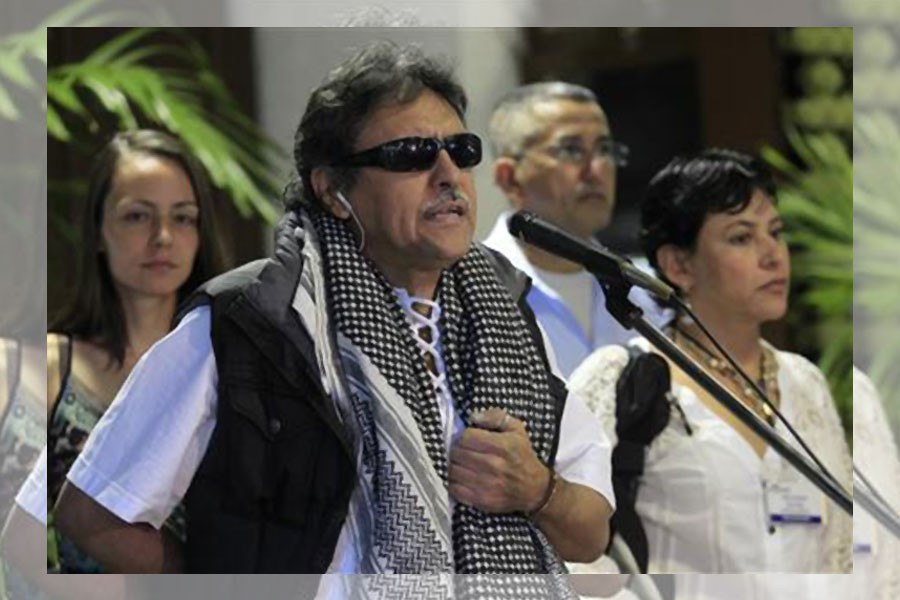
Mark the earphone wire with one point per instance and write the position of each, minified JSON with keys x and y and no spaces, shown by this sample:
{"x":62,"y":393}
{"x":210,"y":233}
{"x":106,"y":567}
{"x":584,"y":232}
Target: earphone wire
{"x":362,"y":232}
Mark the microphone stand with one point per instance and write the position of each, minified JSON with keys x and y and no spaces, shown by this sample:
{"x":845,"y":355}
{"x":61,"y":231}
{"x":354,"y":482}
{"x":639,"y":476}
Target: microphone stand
{"x":632,"y":317}
{"x":870,"y":501}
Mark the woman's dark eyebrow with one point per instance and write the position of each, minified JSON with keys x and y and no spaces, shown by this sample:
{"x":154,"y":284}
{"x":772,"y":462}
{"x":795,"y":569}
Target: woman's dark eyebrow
{"x":180,"y":204}
{"x":751,"y":224}
{"x":741,"y":222}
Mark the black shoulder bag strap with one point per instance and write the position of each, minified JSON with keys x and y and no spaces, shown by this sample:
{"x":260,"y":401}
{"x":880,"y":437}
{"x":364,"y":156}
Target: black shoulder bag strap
{"x":642,"y":412}
{"x":65,"y":367}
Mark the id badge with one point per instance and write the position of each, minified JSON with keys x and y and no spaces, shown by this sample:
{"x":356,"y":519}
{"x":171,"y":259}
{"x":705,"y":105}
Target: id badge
{"x":863,"y":533}
{"x":794,"y":500}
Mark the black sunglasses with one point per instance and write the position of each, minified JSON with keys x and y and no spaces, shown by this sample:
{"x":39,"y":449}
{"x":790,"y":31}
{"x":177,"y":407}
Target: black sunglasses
{"x":418,"y":153}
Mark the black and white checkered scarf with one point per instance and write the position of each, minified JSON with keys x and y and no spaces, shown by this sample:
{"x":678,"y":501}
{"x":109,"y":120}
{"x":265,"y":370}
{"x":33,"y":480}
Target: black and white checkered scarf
{"x":399,"y":517}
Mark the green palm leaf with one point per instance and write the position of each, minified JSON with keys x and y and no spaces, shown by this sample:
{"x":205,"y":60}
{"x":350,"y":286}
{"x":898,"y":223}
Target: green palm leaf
{"x":17,"y":49}
{"x":119,"y":75}
{"x":55,"y":125}
{"x":816,"y":202}
{"x":8,"y":108}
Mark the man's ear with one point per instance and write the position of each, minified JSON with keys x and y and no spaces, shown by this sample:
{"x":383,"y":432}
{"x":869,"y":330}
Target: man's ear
{"x":326,"y":194}
{"x":675,"y":263}
{"x":506,"y":178}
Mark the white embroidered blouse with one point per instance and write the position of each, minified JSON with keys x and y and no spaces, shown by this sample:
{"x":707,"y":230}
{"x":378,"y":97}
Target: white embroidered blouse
{"x":702,"y":498}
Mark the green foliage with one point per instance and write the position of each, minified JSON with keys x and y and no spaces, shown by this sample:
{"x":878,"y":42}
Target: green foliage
{"x":18,"y":49}
{"x":187,"y":99}
{"x":122,"y":85}
{"x":816,"y":201}
{"x":824,"y":75}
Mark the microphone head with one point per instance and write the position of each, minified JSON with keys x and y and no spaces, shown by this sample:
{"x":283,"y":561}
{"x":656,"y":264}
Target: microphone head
{"x":518,"y":221}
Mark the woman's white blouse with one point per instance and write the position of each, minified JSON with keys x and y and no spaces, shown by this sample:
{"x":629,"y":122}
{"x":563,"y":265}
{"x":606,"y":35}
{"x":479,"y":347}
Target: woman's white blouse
{"x":702,"y":498}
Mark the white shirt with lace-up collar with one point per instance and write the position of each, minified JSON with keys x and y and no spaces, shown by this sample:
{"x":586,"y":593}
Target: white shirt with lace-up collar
{"x":432,"y":347}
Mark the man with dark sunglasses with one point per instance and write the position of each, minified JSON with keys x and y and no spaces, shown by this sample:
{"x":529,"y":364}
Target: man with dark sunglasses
{"x":375,"y":398}
{"x":555,"y":156}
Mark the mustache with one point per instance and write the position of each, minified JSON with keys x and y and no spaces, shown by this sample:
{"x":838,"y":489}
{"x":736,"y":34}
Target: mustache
{"x":448,"y":196}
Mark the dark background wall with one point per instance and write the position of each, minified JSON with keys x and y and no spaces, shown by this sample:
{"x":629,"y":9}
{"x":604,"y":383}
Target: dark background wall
{"x":666,"y":91}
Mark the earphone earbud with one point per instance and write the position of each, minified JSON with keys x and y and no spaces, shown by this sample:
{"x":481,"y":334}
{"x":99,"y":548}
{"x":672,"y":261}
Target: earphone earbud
{"x":339,"y":196}
{"x":343,"y":200}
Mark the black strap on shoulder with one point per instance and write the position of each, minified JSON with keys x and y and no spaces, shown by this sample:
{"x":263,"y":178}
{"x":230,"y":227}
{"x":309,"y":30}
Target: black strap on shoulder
{"x":642,"y":412}
{"x":65,"y":352}
{"x":65,"y":368}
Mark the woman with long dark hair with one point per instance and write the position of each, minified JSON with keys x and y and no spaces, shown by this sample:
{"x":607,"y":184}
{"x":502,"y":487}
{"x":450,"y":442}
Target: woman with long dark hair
{"x":147,"y":240}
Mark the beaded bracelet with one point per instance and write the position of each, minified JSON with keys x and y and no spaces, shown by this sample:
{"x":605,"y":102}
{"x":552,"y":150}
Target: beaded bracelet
{"x":552,"y":484}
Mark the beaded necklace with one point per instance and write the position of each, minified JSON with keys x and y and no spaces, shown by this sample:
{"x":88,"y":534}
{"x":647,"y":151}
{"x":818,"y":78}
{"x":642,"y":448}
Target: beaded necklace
{"x":768,"y":373}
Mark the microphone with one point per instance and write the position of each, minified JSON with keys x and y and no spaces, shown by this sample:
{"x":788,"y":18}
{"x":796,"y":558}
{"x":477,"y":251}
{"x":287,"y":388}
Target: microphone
{"x":597,"y":259}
